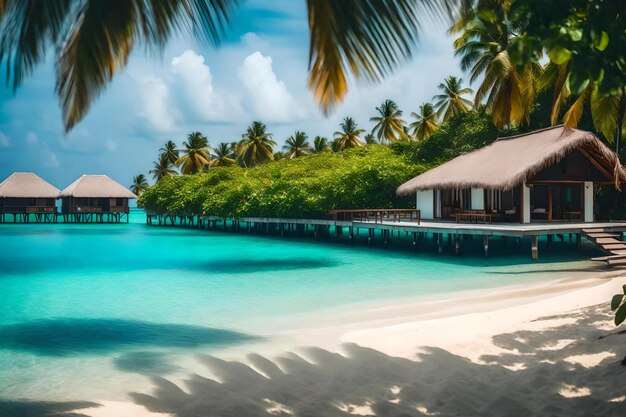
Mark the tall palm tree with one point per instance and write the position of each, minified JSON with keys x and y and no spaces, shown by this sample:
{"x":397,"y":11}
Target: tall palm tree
{"x":451,"y":102}
{"x":92,"y":40}
{"x":388,"y":126}
{"x":195,"y":155}
{"x":223,"y":155}
{"x":320,"y":144}
{"x":297,"y":145}
{"x":483,"y":46}
{"x":162,"y":168}
{"x":370,"y":139}
{"x":426,"y":122}
{"x":348,"y":136}
{"x":169,"y":152}
{"x":256,"y":146}
{"x":140,"y":184}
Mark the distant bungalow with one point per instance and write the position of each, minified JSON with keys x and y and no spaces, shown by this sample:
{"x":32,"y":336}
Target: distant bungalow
{"x":95,"y":198}
{"x":25,"y":193}
{"x":547,"y":175}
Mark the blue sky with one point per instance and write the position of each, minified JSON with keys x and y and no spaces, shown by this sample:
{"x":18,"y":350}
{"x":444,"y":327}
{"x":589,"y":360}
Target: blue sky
{"x":259,"y":73}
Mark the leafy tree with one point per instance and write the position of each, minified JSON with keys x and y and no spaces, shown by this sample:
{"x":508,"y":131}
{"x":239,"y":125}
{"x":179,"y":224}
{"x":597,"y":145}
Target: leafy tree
{"x":94,"y":39}
{"x":223,"y":155}
{"x":618,"y":305}
{"x":256,"y":146}
{"x":451,"y":102}
{"x":278,"y":155}
{"x":297,"y":145}
{"x":162,"y":168}
{"x":426,"y":122}
{"x":195,"y":155}
{"x":483,"y":46}
{"x":170,"y":152}
{"x":139,"y":185}
{"x":335,"y":145}
{"x":370,"y":139}
{"x":348,"y":136}
{"x":320,"y":144}
{"x":389,"y":124}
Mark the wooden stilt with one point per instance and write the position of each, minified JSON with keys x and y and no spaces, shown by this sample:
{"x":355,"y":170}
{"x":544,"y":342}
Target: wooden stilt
{"x":486,"y":244}
{"x":534,"y":241}
{"x":457,"y":244}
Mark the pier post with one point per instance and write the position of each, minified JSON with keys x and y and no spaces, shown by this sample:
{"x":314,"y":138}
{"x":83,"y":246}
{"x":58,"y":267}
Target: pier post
{"x":386,"y":237}
{"x":371,"y":235}
{"x":534,"y":241}
{"x":440,"y":242}
{"x":550,"y":240}
{"x":414,"y":240}
{"x":486,"y":244}
{"x":457,"y":244}
{"x":351,"y":234}
{"x":578,"y":241}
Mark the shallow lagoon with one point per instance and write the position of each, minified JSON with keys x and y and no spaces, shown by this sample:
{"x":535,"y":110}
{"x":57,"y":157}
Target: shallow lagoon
{"x":88,"y":311}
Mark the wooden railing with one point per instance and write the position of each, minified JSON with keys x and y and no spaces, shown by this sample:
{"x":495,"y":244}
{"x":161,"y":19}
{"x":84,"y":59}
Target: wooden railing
{"x":376,"y":215}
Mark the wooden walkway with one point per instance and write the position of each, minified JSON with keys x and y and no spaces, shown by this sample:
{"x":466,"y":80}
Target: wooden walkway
{"x":386,"y":228}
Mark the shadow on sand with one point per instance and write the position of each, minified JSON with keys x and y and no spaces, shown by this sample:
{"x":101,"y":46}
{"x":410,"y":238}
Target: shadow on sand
{"x":547,"y":381}
{"x":17,"y":408}
{"x":68,"y":336}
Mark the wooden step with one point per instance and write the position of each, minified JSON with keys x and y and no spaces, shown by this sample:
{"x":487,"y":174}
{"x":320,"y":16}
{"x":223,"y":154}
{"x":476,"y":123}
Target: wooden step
{"x":607,"y":241}
{"x":601,"y":234}
{"x":609,"y":257}
{"x":598,"y":230}
{"x":616,"y":262}
{"x":611,"y":248}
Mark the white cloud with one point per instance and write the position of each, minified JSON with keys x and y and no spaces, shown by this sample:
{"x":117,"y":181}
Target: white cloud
{"x":31,"y":138}
{"x":4,"y":141}
{"x":155,"y":107}
{"x":268,"y":96}
{"x":197,"y":81}
{"x":50,"y":160}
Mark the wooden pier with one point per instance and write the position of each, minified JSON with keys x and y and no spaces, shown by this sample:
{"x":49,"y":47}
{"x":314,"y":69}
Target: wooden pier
{"x":75,"y":217}
{"x":387,"y":228}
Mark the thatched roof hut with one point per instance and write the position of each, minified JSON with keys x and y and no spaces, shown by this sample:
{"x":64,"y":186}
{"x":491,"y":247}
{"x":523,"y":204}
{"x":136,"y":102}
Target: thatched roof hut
{"x":96,"y":186}
{"x":510,"y":161}
{"x":27,"y":185}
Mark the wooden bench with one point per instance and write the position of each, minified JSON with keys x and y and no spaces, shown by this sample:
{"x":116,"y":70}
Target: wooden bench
{"x":474,"y":215}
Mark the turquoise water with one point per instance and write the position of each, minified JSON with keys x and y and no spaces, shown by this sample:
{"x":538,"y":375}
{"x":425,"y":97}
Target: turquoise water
{"x":91,"y":310}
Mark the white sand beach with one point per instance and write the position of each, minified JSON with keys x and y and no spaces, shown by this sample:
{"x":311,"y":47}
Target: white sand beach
{"x":549,"y":349}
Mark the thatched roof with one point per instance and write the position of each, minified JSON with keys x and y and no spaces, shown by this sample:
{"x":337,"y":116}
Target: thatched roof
{"x":27,"y":185}
{"x":509,"y":161}
{"x":96,"y":186}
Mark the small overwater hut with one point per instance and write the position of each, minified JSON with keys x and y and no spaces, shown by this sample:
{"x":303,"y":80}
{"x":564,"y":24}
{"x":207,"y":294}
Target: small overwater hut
{"x":24,"y":195}
{"x":547,"y":175}
{"x":95,"y":198}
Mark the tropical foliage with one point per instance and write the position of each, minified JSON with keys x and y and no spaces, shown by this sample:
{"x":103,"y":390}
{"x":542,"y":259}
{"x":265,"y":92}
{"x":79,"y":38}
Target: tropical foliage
{"x":320,"y":144}
{"x":451,"y":101}
{"x":139,"y":185}
{"x":426,"y":122}
{"x":223,"y":155}
{"x":389,"y":125}
{"x":196,"y":154}
{"x":297,"y":145}
{"x":349,"y":135}
{"x":256,"y":145}
{"x":169,"y":152}
{"x":162,"y":168}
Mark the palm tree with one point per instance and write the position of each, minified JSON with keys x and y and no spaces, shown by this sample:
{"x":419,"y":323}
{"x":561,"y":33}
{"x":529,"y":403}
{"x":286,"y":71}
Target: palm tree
{"x":223,"y":155}
{"x":370,"y":139}
{"x":426,"y":122}
{"x":92,"y":40}
{"x":483,"y":45}
{"x":169,"y":152}
{"x":335,"y":145}
{"x":140,"y":184}
{"x":278,"y":155}
{"x":452,"y":102}
{"x":388,"y":123}
{"x":162,"y":168}
{"x":348,"y":136}
{"x":256,"y":146}
{"x":196,"y":155}
{"x":297,"y":145}
{"x":320,"y":144}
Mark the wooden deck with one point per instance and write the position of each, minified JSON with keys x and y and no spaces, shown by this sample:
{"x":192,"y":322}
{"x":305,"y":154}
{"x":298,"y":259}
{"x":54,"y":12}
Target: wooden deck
{"x":395,"y":226}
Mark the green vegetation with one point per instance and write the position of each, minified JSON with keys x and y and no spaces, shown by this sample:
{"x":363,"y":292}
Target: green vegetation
{"x":139,"y":185}
{"x":302,"y":187}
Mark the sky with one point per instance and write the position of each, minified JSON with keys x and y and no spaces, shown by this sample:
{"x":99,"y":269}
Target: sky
{"x":258,"y":73}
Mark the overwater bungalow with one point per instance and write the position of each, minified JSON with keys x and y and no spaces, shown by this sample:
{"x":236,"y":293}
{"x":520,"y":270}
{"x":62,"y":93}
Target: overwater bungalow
{"x":24,"y":195}
{"x":95,"y":198}
{"x":547,"y":175}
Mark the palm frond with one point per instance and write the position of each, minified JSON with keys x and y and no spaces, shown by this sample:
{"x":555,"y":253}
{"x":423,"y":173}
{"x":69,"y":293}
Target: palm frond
{"x":363,"y":38}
